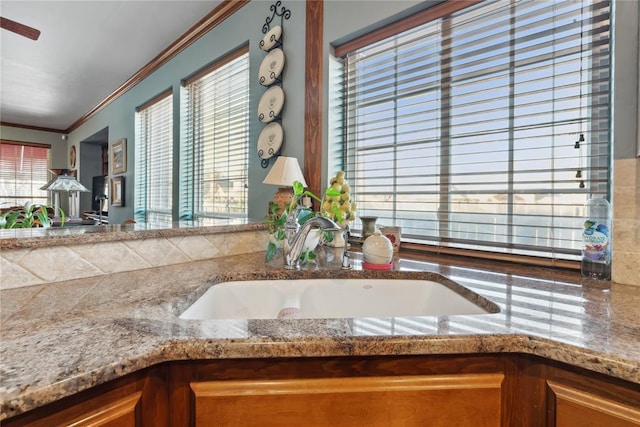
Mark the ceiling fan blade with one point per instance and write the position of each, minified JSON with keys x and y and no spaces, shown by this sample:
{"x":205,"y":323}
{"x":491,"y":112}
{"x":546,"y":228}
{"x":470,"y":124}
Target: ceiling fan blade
{"x":18,"y":28}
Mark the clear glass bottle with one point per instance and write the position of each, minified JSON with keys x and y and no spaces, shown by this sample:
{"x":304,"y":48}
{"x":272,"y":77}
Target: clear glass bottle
{"x":596,"y":240}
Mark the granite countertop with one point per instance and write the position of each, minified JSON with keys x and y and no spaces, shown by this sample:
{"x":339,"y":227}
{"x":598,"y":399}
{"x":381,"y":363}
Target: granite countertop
{"x":23,"y":238}
{"x":58,"y":339}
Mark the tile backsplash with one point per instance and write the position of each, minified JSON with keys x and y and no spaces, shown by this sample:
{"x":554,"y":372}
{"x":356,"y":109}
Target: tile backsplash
{"x":626,"y":222}
{"x":25,"y":267}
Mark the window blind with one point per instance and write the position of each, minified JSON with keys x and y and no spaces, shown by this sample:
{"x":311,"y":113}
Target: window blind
{"x":215,"y":155}
{"x":154,"y":161}
{"x":485,"y":129}
{"x":24,"y":168}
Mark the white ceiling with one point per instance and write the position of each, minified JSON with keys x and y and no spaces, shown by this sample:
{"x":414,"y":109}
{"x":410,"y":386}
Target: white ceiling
{"x":86,"y":50}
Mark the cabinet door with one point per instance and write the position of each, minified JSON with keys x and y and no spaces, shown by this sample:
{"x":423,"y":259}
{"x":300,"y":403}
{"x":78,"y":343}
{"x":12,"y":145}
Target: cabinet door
{"x":433,"y":400}
{"x":139,"y":399}
{"x":577,"y":408}
{"x":103,"y":411}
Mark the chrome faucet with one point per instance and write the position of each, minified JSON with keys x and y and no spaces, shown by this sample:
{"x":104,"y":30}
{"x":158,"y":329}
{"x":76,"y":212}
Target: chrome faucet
{"x":346,"y":265}
{"x":295,"y":236}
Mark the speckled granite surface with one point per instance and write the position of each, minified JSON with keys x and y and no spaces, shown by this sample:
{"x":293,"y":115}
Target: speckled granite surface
{"x":60,"y":338}
{"x":30,"y":238}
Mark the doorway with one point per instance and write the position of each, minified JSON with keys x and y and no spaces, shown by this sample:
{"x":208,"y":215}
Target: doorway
{"x":94,"y":172}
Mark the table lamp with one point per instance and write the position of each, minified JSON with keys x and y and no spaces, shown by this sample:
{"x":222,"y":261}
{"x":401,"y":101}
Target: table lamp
{"x":68,"y":183}
{"x":284,"y":172}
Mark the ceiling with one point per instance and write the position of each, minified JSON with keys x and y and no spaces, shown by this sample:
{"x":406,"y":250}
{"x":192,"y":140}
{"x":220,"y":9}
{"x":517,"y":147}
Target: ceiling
{"x":86,"y":50}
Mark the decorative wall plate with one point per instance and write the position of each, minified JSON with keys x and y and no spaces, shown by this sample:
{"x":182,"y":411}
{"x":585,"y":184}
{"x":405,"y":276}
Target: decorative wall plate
{"x":271,"y":67}
{"x":271,"y":104}
{"x":73,"y":154}
{"x":271,"y":38}
{"x":270,"y":140}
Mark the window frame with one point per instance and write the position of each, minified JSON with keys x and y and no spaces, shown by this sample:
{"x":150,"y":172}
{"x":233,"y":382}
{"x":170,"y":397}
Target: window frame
{"x":198,"y":148}
{"x":29,"y":198}
{"x":443,"y":11}
{"x":143,"y":211}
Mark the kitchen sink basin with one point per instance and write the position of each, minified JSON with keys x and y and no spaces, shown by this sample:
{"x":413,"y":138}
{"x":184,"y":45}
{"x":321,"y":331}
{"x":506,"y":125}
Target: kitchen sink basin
{"x":335,"y":298}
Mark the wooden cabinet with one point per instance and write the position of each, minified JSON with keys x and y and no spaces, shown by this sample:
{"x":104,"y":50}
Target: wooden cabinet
{"x":341,"y":391}
{"x":407,"y":400}
{"x":510,"y":390}
{"x":139,"y":399}
{"x":108,"y":410}
{"x":574,"y":407}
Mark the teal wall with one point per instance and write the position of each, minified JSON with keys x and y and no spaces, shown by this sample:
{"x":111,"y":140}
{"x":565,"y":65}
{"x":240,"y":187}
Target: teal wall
{"x":245,"y":25}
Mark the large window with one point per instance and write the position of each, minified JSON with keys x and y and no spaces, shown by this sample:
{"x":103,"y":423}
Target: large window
{"x":24,"y":169}
{"x":486,"y":128}
{"x":215,"y":155}
{"x":154,"y":160}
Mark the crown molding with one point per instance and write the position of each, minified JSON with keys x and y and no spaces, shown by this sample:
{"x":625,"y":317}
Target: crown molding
{"x":206,"y":24}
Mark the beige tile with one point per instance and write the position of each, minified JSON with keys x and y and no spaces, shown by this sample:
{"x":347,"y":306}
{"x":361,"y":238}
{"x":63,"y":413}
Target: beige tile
{"x":626,"y":202}
{"x":196,"y":247}
{"x":239,"y":243}
{"x":111,"y":257}
{"x":626,"y":234}
{"x":13,"y":275}
{"x":157,"y":252}
{"x":15,"y":255}
{"x":625,"y":172}
{"x":626,"y":268}
{"x":58,"y":264}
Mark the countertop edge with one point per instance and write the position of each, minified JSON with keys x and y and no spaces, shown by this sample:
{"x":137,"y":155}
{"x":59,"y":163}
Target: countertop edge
{"x":168,"y":351}
{"x":52,"y":237}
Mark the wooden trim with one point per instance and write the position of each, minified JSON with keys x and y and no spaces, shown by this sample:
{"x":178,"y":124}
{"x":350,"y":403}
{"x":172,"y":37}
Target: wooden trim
{"x":412,"y":21}
{"x":206,"y":24}
{"x":216,"y":64}
{"x":496,"y":256}
{"x":26,"y":144}
{"x":159,"y":97}
{"x":347,"y":385}
{"x":38,"y":128}
{"x":313,"y":95}
{"x":570,"y":401}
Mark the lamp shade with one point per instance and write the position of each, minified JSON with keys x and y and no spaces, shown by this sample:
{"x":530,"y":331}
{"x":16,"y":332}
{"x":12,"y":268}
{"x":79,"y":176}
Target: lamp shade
{"x":284,"y":172}
{"x":65,"y":183}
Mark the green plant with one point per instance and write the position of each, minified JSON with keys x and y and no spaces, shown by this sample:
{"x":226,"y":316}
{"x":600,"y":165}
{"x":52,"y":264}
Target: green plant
{"x":27,"y":216}
{"x":276,"y":220}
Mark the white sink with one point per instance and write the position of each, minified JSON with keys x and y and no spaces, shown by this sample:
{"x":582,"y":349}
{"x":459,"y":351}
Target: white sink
{"x":332,"y":298}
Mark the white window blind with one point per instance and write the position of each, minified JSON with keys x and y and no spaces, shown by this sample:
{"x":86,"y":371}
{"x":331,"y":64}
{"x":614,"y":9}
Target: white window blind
{"x":24,"y":168}
{"x":465,"y":129}
{"x":154,"y":161}
{"x":215,"y":155}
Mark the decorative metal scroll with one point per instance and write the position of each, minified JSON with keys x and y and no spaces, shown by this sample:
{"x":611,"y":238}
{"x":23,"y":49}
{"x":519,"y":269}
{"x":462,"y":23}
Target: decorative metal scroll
{"x":283,"y":13}
{"x":273,"y":41}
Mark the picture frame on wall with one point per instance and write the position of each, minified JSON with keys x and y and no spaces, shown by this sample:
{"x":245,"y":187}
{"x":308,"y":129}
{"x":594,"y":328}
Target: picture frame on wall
{"x":73,"y":156}
{"x":117,"y":191}
{"x":118,"y":158}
